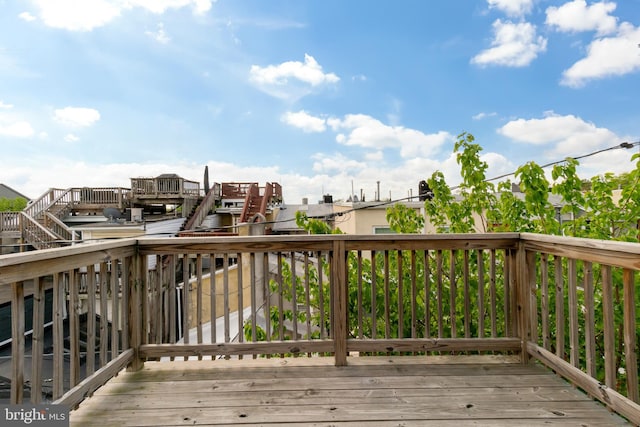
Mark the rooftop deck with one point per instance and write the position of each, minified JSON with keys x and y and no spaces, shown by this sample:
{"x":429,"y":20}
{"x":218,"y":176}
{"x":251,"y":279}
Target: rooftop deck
{"x":371,"y":391}
{"x":484,"y":329}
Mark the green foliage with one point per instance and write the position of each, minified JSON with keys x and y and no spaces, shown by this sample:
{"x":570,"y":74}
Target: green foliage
{"x":403,"y":219}
{"x":12,"y":205}
{"x":458,"y":213}
{"x":313,"y":225}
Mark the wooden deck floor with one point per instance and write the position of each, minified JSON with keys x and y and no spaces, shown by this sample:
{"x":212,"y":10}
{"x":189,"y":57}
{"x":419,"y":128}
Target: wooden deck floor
{"x":382,"y":391}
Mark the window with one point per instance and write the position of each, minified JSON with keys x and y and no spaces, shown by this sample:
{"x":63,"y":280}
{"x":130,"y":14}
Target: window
{"x":382,"y":230}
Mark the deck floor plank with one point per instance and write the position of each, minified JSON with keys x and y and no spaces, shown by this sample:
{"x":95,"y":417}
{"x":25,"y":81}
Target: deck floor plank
{"x":312,"y":392}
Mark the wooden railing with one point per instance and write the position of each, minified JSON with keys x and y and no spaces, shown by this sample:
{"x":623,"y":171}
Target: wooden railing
{"x":203,"y":208}
{"x":37,"y":235}
{"x":332,"y":295}
{"x":581,"y":298}
{"x":10,"y":221}
{"x":41,"y":221}
{"x":173,"y":186}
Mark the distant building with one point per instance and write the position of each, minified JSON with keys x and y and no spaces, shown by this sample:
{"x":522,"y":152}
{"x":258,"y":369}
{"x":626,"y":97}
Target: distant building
{"x":7,"y":192}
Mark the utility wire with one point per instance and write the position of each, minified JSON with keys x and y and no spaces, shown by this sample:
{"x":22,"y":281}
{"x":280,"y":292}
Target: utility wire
{"x":625,"y":145}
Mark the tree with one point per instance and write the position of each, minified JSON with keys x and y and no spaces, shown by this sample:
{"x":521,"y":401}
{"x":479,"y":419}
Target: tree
{"x":12,"y":205}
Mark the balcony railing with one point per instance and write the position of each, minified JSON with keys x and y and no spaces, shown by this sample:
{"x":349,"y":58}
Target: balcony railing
{"x":570,"y":304}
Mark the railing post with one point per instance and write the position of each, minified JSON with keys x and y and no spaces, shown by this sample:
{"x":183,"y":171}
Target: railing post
{"x":523,"y":314}
{"x":339,"y":318}
{"x":135,"y":312}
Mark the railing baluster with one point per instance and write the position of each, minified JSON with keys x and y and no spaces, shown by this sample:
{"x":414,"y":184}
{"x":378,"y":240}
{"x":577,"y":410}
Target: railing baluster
{"x":510,"y":293}
{"x":280,"y":300}
{"x":427,"y":294}
{"x":126,"y":282}
{"x":186,"y":296}
{"x":240,"y":305}
{"x":467,"y":294}
{"x":212,"y":298}
{"x":74,"y":329}
{"x":59,"y":311}
{"x":91,"y":319}
{"x":104,"y":315}
{"x":608,"y":325}
{"x":493,"y":293}
{"x":17,"y":344}
{"x":307,"y":295}
{"x":589,"y":320}
{"x":266,"y":292}
{"x":414,"y":296}
{"x":387,"y":303}
{"x":453,"y":292}
{"x":531,"y":296}
{"x":359,"y":279}
{"x":544,"y":301}
{"x":572,"y":278}
{"x":254,"y":298}
{"x":630,"y":331}
{"x":560,"y":318}
{"x":294,"y":296}
{"x":157,"y":295}
{"x":400,"y":291}
{"x":374,"y":294}
{"x":339,"y":302}
{"x":225,"y":290}
{"x":481,"y":293}
{"x":199,"y":306}
{"x":37,"y":339}
{"x":321,"y":302}
{"x":440,"y":292}
{"x":115,"y":309}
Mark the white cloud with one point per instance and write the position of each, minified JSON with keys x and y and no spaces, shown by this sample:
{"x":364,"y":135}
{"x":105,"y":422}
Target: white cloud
{"x":71,"y":138}
{"x":5,"y":106}
{"x":26,"y":16}
{"x":481,"y":116}
{"x":77,"y":116}
{"x":324,"y":163}
{"x":513,"y":45}
{"x":160,"y":35}
{"x":367,"y":132}
{"x":562,"y":135}
{"x":304,"y":121}
{"x":512,"y":7}
{"x":86,"y":15}
{"x":576,"y":15}
{"x":161,"y":6}
{"x":20,"y":129}
{"x":280,"y":80}
{"x":609,"y":56}
{"x":75,"y":15}
{"x":374,"y":156}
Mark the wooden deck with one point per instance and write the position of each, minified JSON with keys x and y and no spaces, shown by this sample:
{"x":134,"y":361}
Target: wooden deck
{"x":371,"y":391}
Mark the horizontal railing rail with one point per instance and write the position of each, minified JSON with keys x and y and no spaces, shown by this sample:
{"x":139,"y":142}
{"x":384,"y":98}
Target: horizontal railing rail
{"x":128,"y":301}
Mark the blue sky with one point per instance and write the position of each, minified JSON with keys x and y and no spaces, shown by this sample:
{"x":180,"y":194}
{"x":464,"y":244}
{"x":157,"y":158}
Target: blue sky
{"x":320,"y":96}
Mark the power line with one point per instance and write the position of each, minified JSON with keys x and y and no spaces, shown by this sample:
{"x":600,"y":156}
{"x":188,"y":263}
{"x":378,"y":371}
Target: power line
{"x":626,"y":145}
{"x":623,"y":145}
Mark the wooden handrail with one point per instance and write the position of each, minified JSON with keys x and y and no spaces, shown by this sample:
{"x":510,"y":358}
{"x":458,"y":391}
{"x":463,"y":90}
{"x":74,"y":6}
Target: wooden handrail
{"x":337,"y":294}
